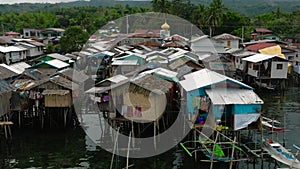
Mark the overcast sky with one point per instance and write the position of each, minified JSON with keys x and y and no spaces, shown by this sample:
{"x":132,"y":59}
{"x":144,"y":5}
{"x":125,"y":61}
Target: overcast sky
{"x":32,"y":1}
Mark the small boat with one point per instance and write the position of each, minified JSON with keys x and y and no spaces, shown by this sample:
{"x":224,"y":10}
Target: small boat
{"x":265,"y":85}
{"x":269,"y":124}
{"x":217,"y":154}
{"x":281,"y":154}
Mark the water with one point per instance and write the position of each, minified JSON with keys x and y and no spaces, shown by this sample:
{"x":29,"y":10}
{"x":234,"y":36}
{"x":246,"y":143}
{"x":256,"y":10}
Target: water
{"x":71,"y":148}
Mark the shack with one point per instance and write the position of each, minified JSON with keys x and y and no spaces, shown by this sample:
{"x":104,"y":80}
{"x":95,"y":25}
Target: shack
{"x":228,"y":101}
{"x":268,"y":71}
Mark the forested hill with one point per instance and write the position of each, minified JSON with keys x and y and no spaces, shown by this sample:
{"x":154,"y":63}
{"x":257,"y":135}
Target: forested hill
{"x":255,"y":7}
{"x":245,"y":7}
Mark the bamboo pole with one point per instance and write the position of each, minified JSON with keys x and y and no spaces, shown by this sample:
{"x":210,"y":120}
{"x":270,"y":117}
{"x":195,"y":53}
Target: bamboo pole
{"x":115,"y":146}
{"x":128,"y":146}
{"x":212,"y":154}
{"x":232,"y":153}
{"x":19,"y":118}
{"x":154,"y":135}
{"x":262,"y":138}
{"x":132,"y":131}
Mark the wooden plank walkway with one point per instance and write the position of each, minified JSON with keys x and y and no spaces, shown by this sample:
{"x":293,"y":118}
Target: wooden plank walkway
{"x":2,"y":123}
{"x":6,"y":126}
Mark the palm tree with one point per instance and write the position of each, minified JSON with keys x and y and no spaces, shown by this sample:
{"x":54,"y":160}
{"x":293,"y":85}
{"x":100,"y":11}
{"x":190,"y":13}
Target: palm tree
{"x":215,"y":14}
{"x":160,"y":5}
{"x":198,"y":16}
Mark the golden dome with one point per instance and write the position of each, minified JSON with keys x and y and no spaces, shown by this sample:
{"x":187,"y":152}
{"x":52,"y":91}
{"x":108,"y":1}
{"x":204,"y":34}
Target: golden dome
{"x":165,"y":26}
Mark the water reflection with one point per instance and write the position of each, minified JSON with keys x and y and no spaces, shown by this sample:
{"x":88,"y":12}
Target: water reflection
{"x":71,"y":148}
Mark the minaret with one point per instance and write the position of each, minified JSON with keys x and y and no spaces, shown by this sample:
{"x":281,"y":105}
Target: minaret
{"x":165,"y":30}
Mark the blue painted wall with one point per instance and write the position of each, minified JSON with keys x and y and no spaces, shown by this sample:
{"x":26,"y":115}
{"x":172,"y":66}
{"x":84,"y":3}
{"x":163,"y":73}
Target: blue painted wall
{"x":189,"y":99}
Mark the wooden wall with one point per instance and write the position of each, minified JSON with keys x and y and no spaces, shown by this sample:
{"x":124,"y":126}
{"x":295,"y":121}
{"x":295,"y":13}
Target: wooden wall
{"x":58,"y":100}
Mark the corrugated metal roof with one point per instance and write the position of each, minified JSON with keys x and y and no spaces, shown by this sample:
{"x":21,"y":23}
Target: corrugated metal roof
{"x":125,"y":63}
{"x":176,"y":37}
{"x":11,"y":49}
{"x":178,"y":63}
{"x":226,"y":36}
{"x":184,"y":70}
{"x":64,"y":82}
{"x":102,"y":46}
{"x":85,"y":53}
{"x":6,"y":40}
{"x":75,"y":75}
{"x":204,"y":78}
{"x":117,"y":78}
{"x":19,"y":67}
{"x":58,"y":56}
{"x":107,"y":88}
{"x":259,"y":46}
{"x":153,"y":84}
{"x":5,"y":87}
{"x":175,"y":57}
{"x":157,"y":58}
{"x":26,"y":45}
{"x":204,"y":56}
{"x":112,"y":80}
{"x":162,"y":72}
{"x":57,"y":63}
{"x":264,"y":40}
{"x":130,"y":54}
{"x":243,"y":54}
{"x":12,"y":33}
{"x":10,"y":68}
{"x":260,"y":57}
{"x":199,"y":38}
{"x":92,"y":50}
{"x":94,"y":90}
{"x":54,"y":29}
{"x":263,"y":30}
{"x":145,"y":48}
{"x":225,"y":96}
{"x":36,"y":43}
{"x":155,"y":53}
{"x":180,"y":52}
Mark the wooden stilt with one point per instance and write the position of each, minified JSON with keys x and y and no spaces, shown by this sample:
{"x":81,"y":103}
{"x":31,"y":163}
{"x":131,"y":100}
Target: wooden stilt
{"x":232,"y":153}
{"x":65,"y":117}
{"x":19,"y":118}
{"x":5,"y":131}
{"x":50,"y":119}
{"x":132,"y":133}
{"x":212,"y":154}
{"x":158,"y":129}
{"x":195,"y":144}
{"x":164,"y":125}
{"x":154,"y":136}
{"x":8,"y":126}
{"x":42,"y":119}
{"x":115,"y":147}
{"x":128,"y":149}
{"x":100,"y":123}
{"x":139,"y":129}
{"x":262,"y":138}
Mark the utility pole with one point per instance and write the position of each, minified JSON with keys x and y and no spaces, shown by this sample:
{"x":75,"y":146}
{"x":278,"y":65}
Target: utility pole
{"x":2,"y":29}
{"x":242,"y":34}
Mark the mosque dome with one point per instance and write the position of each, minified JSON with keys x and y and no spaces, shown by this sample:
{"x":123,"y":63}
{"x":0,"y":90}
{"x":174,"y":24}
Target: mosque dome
{"x":165,"y":26}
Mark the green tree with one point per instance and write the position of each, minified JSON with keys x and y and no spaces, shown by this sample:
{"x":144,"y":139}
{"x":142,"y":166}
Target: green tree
{"x":233,"y":21}
{"x":160,"y":6}
{"x":51,"y":48}
{"x":74,"y":39}
{"x":199,"y":16}
{"x":182,"y":8}
{"x":215,"y":14}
